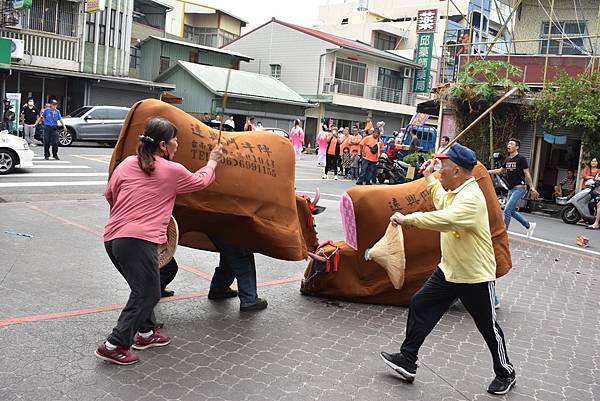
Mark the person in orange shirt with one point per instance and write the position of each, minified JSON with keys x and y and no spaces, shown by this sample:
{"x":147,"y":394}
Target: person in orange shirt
{"x":371,"y":147}
{"x":354,"y":141}
{"x":368,"y":125}
{"x":332,"y":159}
{"x":344,"y":139}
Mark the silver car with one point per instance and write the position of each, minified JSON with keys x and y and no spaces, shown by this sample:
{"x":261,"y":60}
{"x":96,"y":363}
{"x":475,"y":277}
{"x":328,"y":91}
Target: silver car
{"x":93,"y":123}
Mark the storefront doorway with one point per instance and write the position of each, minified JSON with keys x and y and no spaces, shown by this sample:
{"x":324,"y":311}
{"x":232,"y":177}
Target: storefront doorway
{"x":557,"y":154}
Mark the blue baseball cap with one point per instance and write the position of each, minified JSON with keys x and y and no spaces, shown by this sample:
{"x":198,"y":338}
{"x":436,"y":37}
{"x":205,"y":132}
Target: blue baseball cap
{"x":459,"y":154}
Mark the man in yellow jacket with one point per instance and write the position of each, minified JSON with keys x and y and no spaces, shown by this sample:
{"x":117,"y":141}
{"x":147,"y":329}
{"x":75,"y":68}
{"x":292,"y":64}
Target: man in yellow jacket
{"x":466,"y":271}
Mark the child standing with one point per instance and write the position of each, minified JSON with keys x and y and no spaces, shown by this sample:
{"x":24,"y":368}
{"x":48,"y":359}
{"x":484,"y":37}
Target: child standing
{"x":346,"y":162}
{"x":355,"y":166}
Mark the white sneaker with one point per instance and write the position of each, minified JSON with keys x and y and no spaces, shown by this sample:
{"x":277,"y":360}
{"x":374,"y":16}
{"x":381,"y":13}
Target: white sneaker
{"x":324,"y":176}
{"x":335,"y":177}
{"x":531,"y":229}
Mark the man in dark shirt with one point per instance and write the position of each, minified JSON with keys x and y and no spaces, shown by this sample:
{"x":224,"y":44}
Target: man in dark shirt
{"x":519,"y":180}
{"x":29,"y":118}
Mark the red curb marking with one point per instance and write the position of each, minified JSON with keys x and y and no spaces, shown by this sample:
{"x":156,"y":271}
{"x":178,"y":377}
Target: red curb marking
{"x":108,"y":308}
{"x":65,"y":221}
{"x":197,"y":272}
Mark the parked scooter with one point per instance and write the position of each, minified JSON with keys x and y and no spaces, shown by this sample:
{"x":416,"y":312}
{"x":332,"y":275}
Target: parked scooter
{"x":390,"y":170}
{"x":582,"y":206}
{"x":500,"y":185}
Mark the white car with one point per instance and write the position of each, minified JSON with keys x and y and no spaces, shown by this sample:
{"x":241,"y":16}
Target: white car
{"x":14,"y":152}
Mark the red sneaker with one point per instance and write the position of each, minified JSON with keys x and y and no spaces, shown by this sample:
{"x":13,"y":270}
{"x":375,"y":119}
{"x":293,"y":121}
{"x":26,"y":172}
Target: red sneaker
{"x":120,"y":355}
{"x":155,"y":340}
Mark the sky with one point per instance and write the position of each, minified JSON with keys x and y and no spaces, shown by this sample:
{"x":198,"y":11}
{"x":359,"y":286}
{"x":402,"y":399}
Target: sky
{"x":257,"y":12}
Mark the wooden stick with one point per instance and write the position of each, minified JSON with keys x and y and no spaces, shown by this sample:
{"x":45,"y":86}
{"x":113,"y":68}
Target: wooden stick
{"x":485,"y":113}
{"x":224,"y":102}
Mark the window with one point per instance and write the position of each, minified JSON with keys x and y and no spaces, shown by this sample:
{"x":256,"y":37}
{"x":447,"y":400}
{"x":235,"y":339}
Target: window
{"x":116,"y":114}
{"x":99,"y":114}
{"x":384,"y":41}
{"x":275,"y":70}
{"x":102,"y":31}
{"x":564,"y":37}
{"x":54,"y":16}
{"x":227,"y":37}
{"x":90,"y":24}
{"x":350,"y":77}
{"x":120,"y":25}
{"x":135,"y":57}
{"x":193,"y":57}
{"x":111,"y":34}
{"x":165,"y":63}
{"x":201,"y":36}
{"x":389,"y":85}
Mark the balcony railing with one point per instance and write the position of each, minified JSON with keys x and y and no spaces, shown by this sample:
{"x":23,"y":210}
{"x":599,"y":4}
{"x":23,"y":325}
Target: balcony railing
{"x":43,"y":44}
{"x":373,"y":92}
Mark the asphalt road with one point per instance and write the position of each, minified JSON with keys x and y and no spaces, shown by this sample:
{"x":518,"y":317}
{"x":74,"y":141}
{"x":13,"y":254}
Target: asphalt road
{"x":82,"y":173}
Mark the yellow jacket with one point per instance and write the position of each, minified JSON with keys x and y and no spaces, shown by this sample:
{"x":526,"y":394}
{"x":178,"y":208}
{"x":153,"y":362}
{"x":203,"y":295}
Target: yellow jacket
{"x":462,"y":219}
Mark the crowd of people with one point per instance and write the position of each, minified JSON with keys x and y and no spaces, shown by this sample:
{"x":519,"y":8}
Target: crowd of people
{"x":352,"y":153}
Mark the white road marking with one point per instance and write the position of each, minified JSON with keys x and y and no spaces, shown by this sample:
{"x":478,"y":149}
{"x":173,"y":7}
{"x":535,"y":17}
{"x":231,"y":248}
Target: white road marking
{"x":43,"y":162}
{"x":545,"y":241}
{"x":322,"y":193}
{"x":52,"y":184}
{"x":37,"y":175}
{"x":54,"y":166}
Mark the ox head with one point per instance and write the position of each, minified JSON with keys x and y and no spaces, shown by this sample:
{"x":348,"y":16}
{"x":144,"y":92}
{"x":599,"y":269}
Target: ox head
{"x":307,"y":208}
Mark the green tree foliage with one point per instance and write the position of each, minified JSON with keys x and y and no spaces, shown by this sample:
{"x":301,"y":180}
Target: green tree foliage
{"x":477,"y":87}
{"x":572,"y":102}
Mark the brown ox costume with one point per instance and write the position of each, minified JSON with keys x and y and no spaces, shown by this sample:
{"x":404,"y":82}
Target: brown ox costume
{"x":252,"y":203}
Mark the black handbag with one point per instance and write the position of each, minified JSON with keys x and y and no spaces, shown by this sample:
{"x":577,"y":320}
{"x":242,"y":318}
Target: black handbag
{"x":375,"y":148}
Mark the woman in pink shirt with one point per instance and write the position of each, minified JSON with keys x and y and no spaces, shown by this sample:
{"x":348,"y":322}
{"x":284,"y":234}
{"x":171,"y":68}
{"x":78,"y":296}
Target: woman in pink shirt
{"x":141,"y":194}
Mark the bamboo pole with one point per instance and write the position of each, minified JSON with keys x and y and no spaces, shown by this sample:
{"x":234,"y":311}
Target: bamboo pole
{"x":548,"y":43}
{"x":504,"y":26}
{"x":526,"y":40}
{"x":491,"y":139}
{"x":444,"y":41}
{"x":224,"y":102}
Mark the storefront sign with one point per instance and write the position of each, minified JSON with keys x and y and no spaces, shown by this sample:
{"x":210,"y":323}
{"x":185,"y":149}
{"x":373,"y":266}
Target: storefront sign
{"x":93,"y":6}
{"x":423,"y":57}
{"x":5,"y":52}
{"x":427,"y":20}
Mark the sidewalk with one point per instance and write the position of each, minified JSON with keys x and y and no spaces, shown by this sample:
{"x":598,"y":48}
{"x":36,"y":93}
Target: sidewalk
{"x":61,"y":297}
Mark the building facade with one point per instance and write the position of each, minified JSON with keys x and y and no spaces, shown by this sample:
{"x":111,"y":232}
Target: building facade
{"x":392,"y":25}
{"x":76,"y":57}
{"x":201,"y":88}
{"x":202,"y":24}
{"x":349,"y":80}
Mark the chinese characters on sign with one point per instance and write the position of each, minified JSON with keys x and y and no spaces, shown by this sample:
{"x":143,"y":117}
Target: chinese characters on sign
{"x":244,"y":155}
{"x":427,"y":20}
{"x":423,"y":57}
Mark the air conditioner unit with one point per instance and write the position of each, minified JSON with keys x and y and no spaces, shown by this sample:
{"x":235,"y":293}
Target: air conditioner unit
{"x":17,"y":49}
{"x":408,"y":72}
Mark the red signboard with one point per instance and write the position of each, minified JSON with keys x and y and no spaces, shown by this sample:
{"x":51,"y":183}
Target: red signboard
{"x":533,"y":66}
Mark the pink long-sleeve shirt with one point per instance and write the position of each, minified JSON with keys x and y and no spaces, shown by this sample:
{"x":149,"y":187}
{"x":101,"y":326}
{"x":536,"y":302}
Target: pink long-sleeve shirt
{"x":141,"y":205}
